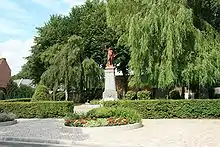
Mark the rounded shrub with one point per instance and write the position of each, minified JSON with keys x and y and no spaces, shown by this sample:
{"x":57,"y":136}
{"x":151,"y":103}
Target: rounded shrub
{"x":143,"y":95}
{"x":174,"y":94}
{"x":130,"y":95}
{"x":41,"y":94}
{"x":7,"y":117}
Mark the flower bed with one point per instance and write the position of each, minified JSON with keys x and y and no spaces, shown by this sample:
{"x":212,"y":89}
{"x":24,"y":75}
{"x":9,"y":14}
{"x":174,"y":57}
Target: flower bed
{"x":103,"y":117}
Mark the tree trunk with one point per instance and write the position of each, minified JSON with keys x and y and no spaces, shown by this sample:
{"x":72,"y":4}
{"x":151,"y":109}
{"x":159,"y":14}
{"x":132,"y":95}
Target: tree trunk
{"x":66,"y":95}
{"x":55,"y":90}
{"x":81,"y":79}
{"x":183,"y":92}
{"x":125,"y":82}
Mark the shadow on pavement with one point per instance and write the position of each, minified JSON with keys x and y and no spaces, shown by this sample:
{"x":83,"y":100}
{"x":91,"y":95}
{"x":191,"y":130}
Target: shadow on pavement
{"x":20,"y":144}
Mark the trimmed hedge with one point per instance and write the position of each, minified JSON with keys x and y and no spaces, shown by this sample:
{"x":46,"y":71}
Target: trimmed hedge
{"x":45,"y":109}
{"x":158,"y":109}
{"x":17,"y":100}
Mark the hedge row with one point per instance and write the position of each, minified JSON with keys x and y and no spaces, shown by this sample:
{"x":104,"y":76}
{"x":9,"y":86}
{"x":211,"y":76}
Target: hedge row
{"x":157,"y":109}
{"x":17,"y":100}
{"x":50,"y":109}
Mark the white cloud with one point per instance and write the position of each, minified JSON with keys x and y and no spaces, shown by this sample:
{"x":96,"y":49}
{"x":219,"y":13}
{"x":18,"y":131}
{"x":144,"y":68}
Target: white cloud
{"x":14,"y":51}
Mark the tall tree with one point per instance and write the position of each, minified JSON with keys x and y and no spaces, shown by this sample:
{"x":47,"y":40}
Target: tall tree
{"x":167,"y":47}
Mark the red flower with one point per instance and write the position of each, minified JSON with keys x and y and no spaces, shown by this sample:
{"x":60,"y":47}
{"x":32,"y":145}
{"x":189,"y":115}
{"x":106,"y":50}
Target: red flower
{"x":68,"y":121}
{"x":83,"y":121}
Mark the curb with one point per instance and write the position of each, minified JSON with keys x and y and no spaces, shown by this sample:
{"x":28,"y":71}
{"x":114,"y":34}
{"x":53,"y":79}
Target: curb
{"x":109,"y":128}
{"x":8,"y":123}
{"x":63,"y":142}
{"x":36,"y":140}
{"x":94,"y":144}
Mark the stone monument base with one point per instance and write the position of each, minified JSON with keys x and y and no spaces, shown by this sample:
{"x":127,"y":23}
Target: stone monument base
{"x":110,"y":95}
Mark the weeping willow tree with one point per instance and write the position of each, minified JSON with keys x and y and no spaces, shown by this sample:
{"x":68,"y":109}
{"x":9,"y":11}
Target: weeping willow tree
{"x":71,"y":70}
{"x":93,"y":74}
{"x":169,"y":45}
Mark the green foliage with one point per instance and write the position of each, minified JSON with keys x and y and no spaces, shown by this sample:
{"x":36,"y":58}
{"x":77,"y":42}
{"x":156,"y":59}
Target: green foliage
{"x":158,"y":109}
{"x":92,"y":74}
{"x":2,"y":95}
{"x":174,"y":94}
{"x":103,"y":116}
{"x":60,"y":96}
{"x":41,"y":109}
{"x":143,"y":95}
{"x":41,"y":94}
{"x":95,"y":102}
{"x":69,"y":51}
{"x":54,"y":35}
{"x":119,"y":112}
{"x":97,"y":122}
{"x":173,"y":44}
{"x":71,"y":116}
{"x":131,"y":95}
{"x":101,"y":112}
{"x":17,"y":100}
{"x":15,"y":91}
{"x":7,"y":117}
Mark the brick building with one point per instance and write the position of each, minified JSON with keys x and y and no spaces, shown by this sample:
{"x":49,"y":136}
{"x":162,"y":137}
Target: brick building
{"x":5,"y":73}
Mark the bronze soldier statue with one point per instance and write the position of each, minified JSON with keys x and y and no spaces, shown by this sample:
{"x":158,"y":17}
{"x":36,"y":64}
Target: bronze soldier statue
{"x":111,"y":56}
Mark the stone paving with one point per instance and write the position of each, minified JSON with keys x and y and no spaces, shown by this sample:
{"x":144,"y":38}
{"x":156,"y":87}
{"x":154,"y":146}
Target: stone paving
{"x":166,"y":133}
{"x":50,"y":129}
{"x":155,"y":133}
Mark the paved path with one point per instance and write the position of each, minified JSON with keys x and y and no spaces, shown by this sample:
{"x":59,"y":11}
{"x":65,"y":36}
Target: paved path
{"x":40,"y":130}
{"x":166,"y":133}
{"x":155,"y":133}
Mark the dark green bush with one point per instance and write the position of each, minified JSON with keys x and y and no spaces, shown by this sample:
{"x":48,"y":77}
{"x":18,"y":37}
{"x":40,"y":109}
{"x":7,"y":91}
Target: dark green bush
{"x":130,"y":95}
{"x":101,"y":112}
{"x":17,"y":100}
{"x":143,"y":95}
{"x":107,"y":112}
{"x":174,"y":94}
{"x":41,"y":94}
{"x":41,"y":109}
{"x":156,"y":109}
{"x":6,"y":117}
{"x":2,"y":95}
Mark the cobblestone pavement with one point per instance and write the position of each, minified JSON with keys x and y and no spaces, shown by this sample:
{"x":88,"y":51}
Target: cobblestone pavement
{"x":47,"y":129}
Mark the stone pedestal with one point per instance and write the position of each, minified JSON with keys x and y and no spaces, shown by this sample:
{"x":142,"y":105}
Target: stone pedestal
{"x":110,"y":93}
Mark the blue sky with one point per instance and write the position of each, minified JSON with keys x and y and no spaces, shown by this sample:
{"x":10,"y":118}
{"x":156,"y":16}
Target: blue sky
{"x":18,"y":20}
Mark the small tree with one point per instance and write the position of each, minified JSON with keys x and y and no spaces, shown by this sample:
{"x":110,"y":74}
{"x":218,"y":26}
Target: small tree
{"x":41,"y":93}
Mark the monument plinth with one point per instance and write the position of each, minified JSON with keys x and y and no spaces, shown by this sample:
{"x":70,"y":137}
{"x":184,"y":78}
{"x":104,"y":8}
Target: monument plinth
{"x":110,"y":93}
